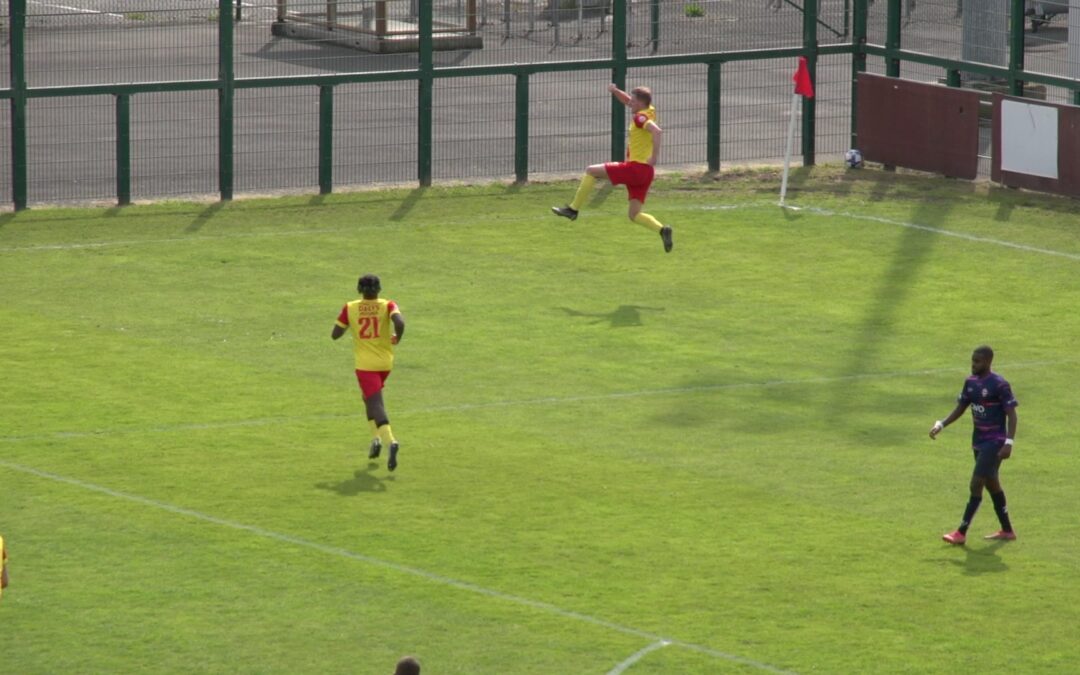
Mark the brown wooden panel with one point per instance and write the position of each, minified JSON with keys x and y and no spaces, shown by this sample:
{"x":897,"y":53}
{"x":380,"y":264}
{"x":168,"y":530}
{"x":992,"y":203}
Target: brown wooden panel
{"x":1068,"y":180}
{"x":918,"y":126}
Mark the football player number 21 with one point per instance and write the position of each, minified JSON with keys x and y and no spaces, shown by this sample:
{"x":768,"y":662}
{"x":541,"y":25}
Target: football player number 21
{"x":368,"y":327}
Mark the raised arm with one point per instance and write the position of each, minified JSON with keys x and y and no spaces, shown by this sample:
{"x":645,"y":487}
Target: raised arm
{"x":621,"y":95}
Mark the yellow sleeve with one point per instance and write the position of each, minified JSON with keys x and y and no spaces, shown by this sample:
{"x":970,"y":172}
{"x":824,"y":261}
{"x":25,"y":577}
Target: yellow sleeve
{"x":3,"y":567}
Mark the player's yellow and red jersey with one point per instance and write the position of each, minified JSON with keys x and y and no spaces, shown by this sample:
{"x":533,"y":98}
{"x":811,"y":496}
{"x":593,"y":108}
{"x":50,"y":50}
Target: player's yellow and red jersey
{"x":369,"y":323}
{"x":640,"y":148}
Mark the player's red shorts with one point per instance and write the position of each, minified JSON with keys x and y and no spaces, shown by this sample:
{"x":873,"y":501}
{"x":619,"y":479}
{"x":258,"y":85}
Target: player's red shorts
{"x":637,"y":177}
{"x":371,"y":381}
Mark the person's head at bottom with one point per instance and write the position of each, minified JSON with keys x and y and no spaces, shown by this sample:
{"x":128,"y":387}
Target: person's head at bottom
{"x":407,"y":666}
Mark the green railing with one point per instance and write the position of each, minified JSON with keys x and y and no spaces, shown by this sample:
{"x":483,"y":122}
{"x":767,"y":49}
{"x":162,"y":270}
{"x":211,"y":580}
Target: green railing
{"x":426,"y":74}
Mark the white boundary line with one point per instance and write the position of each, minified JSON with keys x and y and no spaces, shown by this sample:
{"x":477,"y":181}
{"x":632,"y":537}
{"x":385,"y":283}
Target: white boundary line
{"x":634,"y":658}
{"x":395,"y":567}
{"x":551,"y":400}
{"x":946,"y":233}
{"x":32,"y":248}
{"x":675,"y":207}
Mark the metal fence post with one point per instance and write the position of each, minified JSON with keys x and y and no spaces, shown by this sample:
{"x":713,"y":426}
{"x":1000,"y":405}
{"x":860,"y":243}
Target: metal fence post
{"x":654,"y":25}
{"x":556,"y":21}
{"x":17,"y":45}
{"x":1072,"y":54}
{"x":123,"y":149}
{"x":892,"y":39}
{"x":426,"y":93}
{"x":1016,"y":47}
{"x":712,"y":137}
{"x":521,"y":127}
{"x":809,"y":105}
{"x":858,"y":59}
{"x":326,"y":139}
{"x":226,"y":96}
{"x":618,"y":76}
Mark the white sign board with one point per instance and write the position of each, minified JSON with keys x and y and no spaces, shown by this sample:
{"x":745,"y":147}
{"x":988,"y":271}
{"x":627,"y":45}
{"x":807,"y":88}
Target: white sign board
{"x":1029,"y":138}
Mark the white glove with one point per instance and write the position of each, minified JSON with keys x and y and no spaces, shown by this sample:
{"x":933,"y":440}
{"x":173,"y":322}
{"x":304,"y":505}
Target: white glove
{"x":936,"y":429}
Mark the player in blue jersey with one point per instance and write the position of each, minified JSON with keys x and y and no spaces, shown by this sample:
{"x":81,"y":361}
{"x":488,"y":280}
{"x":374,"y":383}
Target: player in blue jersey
{"x":993,"y":411}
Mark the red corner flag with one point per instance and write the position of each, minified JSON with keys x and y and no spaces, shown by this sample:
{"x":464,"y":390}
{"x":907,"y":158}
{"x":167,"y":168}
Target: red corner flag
{"x":803,"y":85}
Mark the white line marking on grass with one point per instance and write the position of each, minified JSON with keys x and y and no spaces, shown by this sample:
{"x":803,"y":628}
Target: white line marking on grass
{"x":946,"y":233}
{"x":168,"y":240}
{"x":385,"y":564}
{"x":510,"y":403}
{"x":622,"y":667}
{"x":901,"y":223}
{"x":674,"y":207}
{"x":31,"y":248}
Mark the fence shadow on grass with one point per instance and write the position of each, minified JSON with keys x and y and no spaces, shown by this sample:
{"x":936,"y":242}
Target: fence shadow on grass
{"x":362,"y":481}
{"x":204,"y":216}
{"x":886,"y":305}
{"x":408,"y":203}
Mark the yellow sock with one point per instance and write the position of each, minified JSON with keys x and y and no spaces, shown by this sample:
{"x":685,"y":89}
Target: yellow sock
{"x":587,"y":183}
{"x":386,"y":434}
{"x":648,"y":221}
{"x":374,"y":428}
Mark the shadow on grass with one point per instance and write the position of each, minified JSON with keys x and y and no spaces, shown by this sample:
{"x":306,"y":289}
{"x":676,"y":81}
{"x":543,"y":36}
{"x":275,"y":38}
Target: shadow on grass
{"x":623,"y":316}
{"x":984,"y":560}
{"x":204,"y":216}
{"x":408,"y":203}
{"x":362,"y":481}
{"x":600,"y":196}
{"x":892,"y":292}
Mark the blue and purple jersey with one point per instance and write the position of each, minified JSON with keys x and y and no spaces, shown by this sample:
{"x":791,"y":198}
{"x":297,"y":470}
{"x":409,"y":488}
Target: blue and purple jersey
{"x":989,"y":397}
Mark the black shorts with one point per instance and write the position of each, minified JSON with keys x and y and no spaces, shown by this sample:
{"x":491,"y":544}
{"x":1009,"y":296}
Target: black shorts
{"x":987,"y":461}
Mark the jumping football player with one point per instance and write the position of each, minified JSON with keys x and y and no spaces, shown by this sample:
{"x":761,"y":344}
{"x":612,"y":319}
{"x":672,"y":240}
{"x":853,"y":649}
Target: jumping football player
{"x":636,"y":173}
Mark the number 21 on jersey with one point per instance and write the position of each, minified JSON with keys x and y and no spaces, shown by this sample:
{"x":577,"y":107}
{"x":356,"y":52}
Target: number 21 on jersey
{"x":368,"y":327}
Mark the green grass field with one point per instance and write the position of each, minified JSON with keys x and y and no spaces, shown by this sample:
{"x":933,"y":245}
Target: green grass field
{"x":614,"y":460}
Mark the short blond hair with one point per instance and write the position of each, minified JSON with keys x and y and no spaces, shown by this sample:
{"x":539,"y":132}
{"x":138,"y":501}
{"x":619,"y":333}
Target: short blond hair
{"x":644,"y":94}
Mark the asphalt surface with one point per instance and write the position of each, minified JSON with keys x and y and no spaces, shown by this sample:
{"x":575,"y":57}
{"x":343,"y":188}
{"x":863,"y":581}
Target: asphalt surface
{"x":174,"y":149}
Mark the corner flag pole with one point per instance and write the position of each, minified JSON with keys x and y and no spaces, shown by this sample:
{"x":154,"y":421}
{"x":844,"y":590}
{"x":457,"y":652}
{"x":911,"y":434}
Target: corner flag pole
{"x":803,"y":87}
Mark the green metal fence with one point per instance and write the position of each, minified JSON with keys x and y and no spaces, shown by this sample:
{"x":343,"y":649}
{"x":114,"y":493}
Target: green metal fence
{"x":109,"y":102}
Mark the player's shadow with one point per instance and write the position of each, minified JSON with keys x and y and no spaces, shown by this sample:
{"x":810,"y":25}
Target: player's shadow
{"x":362,"y":481}
{"x":624,"y":316}
{"x":983,"y":560}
